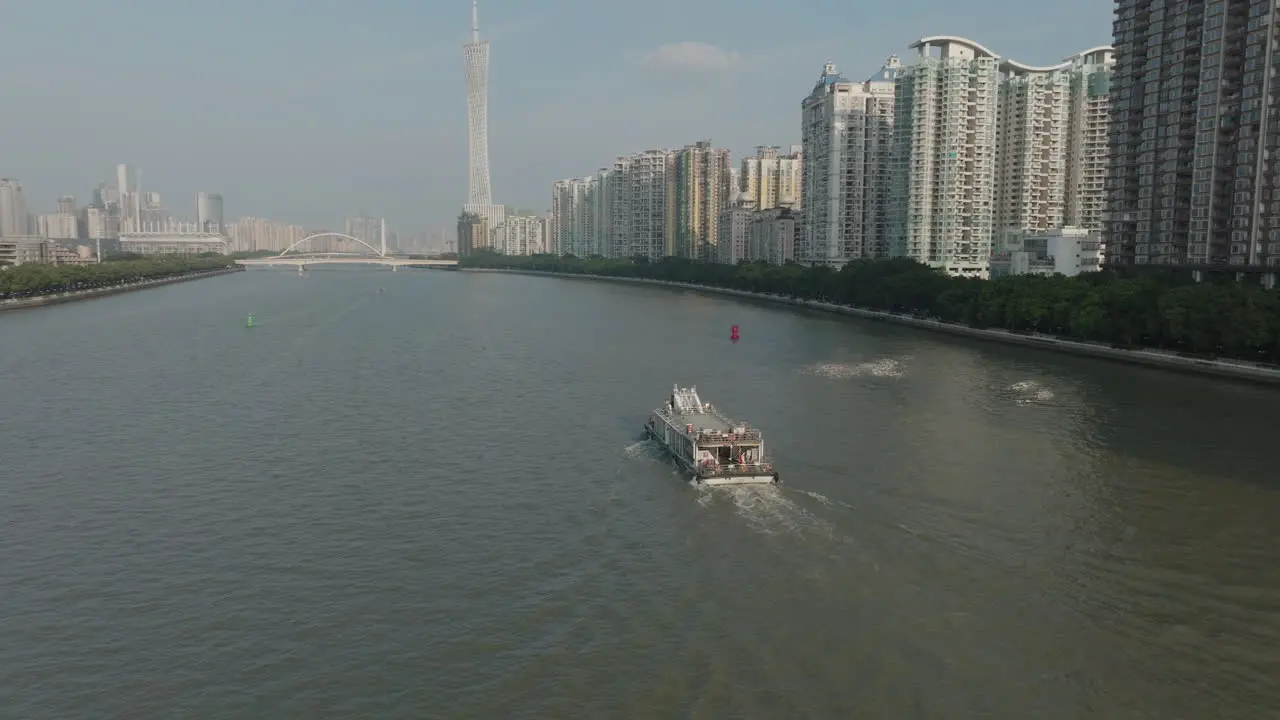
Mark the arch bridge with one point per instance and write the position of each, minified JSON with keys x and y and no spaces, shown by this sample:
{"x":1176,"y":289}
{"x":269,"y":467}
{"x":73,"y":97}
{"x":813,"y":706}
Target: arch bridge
{"x":375,"y":256}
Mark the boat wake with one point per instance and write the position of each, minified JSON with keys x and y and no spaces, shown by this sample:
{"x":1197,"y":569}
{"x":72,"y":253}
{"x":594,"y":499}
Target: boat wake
{"x":1030,"y":392}
{"x":884,"y":367}
{"x":765,"y":508}
{"x":644,"y":449}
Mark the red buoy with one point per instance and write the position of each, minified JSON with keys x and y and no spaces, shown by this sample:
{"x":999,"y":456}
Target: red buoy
{"x":733,"y":335}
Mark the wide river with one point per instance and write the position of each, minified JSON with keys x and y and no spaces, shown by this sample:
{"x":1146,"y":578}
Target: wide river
{"x":422,"y":495}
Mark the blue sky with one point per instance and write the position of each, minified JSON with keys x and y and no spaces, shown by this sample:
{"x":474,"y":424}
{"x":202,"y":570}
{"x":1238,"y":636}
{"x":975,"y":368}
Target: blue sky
{"x":309,"y":110}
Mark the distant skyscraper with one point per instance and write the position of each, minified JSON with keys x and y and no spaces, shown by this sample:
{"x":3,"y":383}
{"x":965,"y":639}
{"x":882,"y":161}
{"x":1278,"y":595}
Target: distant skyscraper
{"x":209,"y":215}
{"x":570,"y":218}
{"x":476,"y":54}
{"x":14,"y":221}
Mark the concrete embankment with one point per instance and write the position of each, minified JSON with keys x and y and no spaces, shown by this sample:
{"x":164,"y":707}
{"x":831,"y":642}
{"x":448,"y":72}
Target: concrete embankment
{"x":1152,"y":358}
{"x":45,"y":300}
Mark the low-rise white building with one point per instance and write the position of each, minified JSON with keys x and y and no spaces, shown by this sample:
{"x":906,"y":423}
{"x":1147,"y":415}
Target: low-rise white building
{"x":173,"y":243}
{"x":1066,"y":251}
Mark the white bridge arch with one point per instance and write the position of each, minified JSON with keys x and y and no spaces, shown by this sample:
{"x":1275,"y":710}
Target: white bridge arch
{"x":345,"y":236}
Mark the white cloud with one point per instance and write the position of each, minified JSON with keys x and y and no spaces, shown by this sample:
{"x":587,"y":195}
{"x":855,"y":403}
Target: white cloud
{"x":694,"y":57}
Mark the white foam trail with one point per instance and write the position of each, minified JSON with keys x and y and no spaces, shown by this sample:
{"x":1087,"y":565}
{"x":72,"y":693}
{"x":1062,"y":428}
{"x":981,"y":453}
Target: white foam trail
{"x":822,"y":499}
{"x":767,"y":510}
{"x":884,"y":367}
{"x":1031,"y":392}
{"x":643,"y":450}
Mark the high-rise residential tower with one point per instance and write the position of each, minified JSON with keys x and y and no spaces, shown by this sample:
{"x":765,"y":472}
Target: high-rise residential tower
{"x":847,"y":138}
{"x":703,"y":186}
{"x":1193,"y":135}
{"x":771,"y":179}
{"x":642,"y":197}
{"x":1087,"y":150}
{"x":944,"y":176}
{"x":1032,"y":123}
{"x":1051,"y":152}
{"x":479,"y":193}
{"x":570,"y":218}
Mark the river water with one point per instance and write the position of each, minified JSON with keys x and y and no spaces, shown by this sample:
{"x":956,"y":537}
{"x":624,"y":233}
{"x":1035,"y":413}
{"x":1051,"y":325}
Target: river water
{"x":422,"y":495}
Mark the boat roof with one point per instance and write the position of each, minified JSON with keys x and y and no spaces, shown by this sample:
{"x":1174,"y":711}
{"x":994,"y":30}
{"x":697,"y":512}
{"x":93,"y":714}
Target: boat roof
{"x":687,"y":408}
{"x":702,"y":420}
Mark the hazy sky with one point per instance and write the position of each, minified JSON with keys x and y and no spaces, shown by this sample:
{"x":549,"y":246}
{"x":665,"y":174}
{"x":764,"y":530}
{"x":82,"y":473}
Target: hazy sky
{"x":309,"y":110}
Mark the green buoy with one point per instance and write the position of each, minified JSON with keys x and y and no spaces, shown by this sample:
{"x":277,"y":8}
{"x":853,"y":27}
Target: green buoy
{"x":249,"y":322}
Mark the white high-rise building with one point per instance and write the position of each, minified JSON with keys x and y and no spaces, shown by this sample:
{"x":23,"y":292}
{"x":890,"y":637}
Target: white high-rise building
{"x":14,"y":220}
{"x":479,"y":192}
{"x":570,"y":218}
{"x":944,"y":168}
{"x":1051,"y":152}
{"x":1087,"y":150}
{"x":642,"y":193}
{"x":1032,"y":122}
{"x":209,"y":215}
{"x":771,"y":179}
{"x":847,"y":142}
{"x":522,"y":235}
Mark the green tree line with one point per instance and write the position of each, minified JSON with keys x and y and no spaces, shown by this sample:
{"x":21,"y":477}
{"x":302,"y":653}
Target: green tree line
{"x":33,"y":279}
{"x":1149,"y":310}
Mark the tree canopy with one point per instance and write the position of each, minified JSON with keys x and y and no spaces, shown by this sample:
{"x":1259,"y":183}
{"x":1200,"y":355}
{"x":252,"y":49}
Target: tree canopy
{"x":33,"y":279}
{"x":1165,"y":311}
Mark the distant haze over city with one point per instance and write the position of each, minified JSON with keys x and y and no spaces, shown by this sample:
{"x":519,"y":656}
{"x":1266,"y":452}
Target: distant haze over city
{"x":317,"y":113}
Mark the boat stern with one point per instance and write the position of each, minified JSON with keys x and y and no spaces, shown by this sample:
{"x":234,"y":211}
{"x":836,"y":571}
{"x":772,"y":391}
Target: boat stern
{"x":739,"y":475}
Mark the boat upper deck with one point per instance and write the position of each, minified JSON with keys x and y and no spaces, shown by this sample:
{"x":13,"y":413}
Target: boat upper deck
{"x":703,"y":421}
{"x":686,"y":408}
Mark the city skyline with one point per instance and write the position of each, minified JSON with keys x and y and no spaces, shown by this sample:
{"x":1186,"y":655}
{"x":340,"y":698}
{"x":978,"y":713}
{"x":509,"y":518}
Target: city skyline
{"x":263,"y":132}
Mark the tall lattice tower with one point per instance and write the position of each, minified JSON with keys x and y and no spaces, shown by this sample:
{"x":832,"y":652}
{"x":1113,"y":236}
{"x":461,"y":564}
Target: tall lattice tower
{"x":476,"y":54}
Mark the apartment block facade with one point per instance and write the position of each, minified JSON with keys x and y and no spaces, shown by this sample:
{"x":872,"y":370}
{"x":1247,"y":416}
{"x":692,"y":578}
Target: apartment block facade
{"x":642,"y":194}
{"x":847,"y":135}
{"x":703,"y":185}
{"x":770,"y":179}
{"x":944,"y":169}
{"x":1193,"y":135}
{"x":1087,"y":150}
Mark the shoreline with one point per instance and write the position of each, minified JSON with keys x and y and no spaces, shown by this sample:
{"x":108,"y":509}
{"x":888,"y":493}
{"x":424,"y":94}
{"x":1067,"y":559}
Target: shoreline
{"x":1239,"y":370}
{"x":76,"y":296}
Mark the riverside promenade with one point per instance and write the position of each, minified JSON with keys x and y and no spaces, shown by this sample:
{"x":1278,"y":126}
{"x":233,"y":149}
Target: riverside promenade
{"x":1237,"y":369}
{"x":58,"y":298}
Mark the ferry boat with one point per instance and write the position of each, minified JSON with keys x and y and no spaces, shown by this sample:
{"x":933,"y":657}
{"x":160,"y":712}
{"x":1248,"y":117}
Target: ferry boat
{"x":715,"y":449}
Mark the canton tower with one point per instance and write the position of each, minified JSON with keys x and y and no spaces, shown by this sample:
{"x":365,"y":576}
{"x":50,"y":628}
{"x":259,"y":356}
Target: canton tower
{"x":476,"y":53}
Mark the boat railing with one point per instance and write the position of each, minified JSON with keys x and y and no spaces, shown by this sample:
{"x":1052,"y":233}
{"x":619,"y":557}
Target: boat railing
{"x":764,"y":468}
{"x":748,"y":435}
